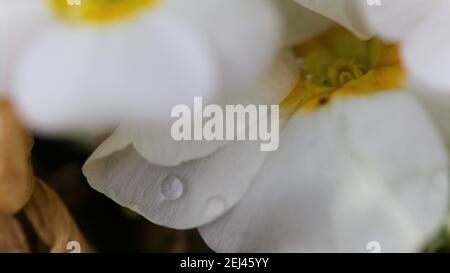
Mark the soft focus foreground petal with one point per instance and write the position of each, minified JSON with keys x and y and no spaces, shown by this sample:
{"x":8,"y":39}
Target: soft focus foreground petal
{"x":427,"y":51}
{"x":76,"y":77}
{"x":184,"y":196}
{"x":244,"y":35}
{"x":20,"y":21}
{"x":362,"y":169}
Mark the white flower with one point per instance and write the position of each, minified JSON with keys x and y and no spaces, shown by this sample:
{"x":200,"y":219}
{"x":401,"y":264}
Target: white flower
{"x":420,"y":25}
{"x":360,"y":160}
{"x":71,"y":67}
{"x":132,"y":164}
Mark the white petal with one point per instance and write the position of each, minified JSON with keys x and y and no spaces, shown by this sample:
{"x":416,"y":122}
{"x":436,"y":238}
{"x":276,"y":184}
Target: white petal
{"x":377,"y":17}
{"x":154,"y":142}
{"x":301,"y":23}
{"x":76,"y":77}
{"x":345,"y":12}
{"x":153,"y":139}
{"x":359,"y":170}
{"x":245,"y":35}
{"x":395,"y":20}
{"x":185,"y":196}
{"x":272,"y":87}
{"x":427,"y":51}
{"x":437,"y":103}
{"x":20,"y":22}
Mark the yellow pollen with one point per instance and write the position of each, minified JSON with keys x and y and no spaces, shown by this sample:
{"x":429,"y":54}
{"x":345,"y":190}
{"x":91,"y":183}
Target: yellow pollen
{"x":336,"y":63}
{"x":98,"y":11}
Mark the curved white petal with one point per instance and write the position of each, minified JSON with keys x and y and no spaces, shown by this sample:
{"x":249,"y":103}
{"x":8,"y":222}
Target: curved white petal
{"x":391,"y":20}
{"x":117,"y":170}
{"x":345,"y":12}
{"x":359,"y":170}
{"x":20,"y":22}
{"x":427,"y":51}
{"x":245,"y":35}
{"x":79,"y":77}
{"x":153,"y":139}
{"x":275,"y":84}
{"x":154,"y":142}
{"x":396,"y":19}
{"x":437,"y":103}
{"x":185,"y":196}
{"x":301,"y":23}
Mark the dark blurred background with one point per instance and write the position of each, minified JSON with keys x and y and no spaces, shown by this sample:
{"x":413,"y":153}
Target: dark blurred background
{"x":106,"y":225}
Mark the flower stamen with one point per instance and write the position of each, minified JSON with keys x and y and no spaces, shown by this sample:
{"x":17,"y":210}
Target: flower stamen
{"x":343,"y":71}
{"x":336,"y":63}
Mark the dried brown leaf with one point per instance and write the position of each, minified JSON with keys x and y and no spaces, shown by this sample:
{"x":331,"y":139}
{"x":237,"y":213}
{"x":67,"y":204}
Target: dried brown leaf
{"x":53,"y":222}
{"x":181,"y":242}
{"x":12,"y":237}
{"x":16,"y":179}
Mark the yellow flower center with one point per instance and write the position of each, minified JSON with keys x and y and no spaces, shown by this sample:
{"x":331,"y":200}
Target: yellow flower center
{"x":98,"y":11}
{"x":342,"y":71}
{"x":336,"y":63}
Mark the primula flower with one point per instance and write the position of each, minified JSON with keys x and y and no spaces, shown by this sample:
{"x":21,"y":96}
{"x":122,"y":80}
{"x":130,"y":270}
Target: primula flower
{"x":419,"y":25}
{"x":422,"y":33}
{"x":353,"y":167}
{"x":360,"y":160}
{"x":81,"y":66}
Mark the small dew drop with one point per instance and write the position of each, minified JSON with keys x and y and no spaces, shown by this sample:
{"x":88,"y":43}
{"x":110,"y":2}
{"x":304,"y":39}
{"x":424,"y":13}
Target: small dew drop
{"x":215,"y":206}
{"x":172,"y":187}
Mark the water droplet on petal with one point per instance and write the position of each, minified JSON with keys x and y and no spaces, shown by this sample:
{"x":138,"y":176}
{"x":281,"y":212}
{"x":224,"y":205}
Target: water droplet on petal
{"x":172,"y":187}
{"x":215,"y":206}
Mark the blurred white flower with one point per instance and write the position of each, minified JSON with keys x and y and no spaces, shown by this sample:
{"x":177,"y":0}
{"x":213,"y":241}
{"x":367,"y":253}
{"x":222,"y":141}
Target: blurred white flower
{"x":80,"y":66}
{"x":359,"y":160}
